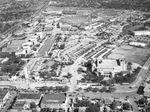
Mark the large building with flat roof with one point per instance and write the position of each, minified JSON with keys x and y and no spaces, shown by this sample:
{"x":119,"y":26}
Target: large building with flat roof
{"x":143,"y":32}
{"x":110,"y":66}
{"x":29,"y":97}
{"x":53,"y":101}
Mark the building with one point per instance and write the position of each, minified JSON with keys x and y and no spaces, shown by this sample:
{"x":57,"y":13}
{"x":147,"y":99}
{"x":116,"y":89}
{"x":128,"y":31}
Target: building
{"x":141,"y":38}
{"x":4,"y":95}
{"x":49,"y":27}
{"x":14,"y":46}
{"x":21,"y":107}
{"x":29,"y":97}
{"x":69,"y":12}
{"x":109,"y":67}
{"x":41,"y":35}
{"x":53,"y":101}
{"x":33,"y":39}
{"x":140,"y":33}
{"x":138,"y":44}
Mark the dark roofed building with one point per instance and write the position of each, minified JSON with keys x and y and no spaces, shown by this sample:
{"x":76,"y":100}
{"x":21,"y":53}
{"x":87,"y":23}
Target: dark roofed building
{"x":53,"y":100}
{"x":29,"y":97}
{"x":69,"y":12}
{"x":18,"y":106}
{"x":4,"y":95}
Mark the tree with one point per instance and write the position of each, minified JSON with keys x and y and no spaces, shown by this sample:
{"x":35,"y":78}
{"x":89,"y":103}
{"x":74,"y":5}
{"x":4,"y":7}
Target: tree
{"x":148,"y":108}
{"x":58,"y":25}
{"x":95,"y":90}
{"x":105,"y":109}
{"x":112,"y":89}
{"x":76,"y":110}
{"x":68,"y":76}
{"x":126,"y":106}
{"x":104,"y":89}
{"x":45,"y":75}
{"x":33,"y":105}
{"x":80,"y":70}
{"x":93,"y":108}
{"x":53,"y":73}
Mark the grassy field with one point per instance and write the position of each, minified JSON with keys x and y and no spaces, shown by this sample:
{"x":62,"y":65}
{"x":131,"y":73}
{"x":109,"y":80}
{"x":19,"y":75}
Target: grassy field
{"x":137,"y":55}
{"x":76,"y":20}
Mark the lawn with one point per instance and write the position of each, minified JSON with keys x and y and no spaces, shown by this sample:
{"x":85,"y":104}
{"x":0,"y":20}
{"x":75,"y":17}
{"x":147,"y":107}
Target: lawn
{"x":134,"y":54}
{"x":76,"y":20}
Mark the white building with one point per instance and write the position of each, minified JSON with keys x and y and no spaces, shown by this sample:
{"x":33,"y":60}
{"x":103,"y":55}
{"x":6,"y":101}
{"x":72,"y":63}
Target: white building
{"x":27,"y":45}
{"x":139,"y":33}
{"x":33,"y":39}
{"x":140,"y":44}
{"x":23,"y":52}
{"x":110,"y":66}
{"x":41,"y":34}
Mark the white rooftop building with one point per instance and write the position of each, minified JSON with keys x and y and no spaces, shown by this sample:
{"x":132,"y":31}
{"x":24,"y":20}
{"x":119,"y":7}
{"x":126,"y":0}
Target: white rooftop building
{"x":144,"y":32}
{"x":141,"y":44}
{"x":110,"y":66}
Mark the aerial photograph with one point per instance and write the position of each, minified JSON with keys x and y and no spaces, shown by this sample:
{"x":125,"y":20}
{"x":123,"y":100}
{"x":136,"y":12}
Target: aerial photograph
{"x":74,"y":55}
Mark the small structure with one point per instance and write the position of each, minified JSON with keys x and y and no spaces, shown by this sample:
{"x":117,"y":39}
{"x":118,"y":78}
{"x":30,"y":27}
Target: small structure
{"x":53,"y":101}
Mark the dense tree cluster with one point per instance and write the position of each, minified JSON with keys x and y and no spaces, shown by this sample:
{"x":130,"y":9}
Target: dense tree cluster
{"x":143,"y":5}
{"x":12,"y":65}
{"x":103,"y":89}
{"x":47,"y":75}
{"x":92,"y":77}
{"x":52,"y":110}
{"x":119,"y":78}
{"x":57,"y":89}
{"x":11,"y":16}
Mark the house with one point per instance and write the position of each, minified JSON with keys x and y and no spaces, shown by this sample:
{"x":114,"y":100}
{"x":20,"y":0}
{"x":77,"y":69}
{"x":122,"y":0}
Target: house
{"x":4,"y":95}
{"x":53,"y":101}
{"x":29,"y":97}
{"x":110,"y":66}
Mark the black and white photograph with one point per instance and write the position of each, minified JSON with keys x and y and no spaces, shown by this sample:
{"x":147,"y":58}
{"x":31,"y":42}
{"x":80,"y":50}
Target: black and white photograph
{"x":74,"y":55}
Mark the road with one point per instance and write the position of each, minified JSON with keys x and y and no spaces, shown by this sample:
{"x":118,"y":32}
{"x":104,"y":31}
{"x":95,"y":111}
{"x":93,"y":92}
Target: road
{"x":139,"y":80}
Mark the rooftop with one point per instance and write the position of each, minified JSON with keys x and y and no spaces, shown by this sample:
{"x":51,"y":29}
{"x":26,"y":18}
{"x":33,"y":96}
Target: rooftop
{"x":2,"y":94}
{"x":54,"y":98}
{"x":29,"y":96}
{"x":14,"y":45}
{"x":108,"y":63}
{"x":18,"y":105}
